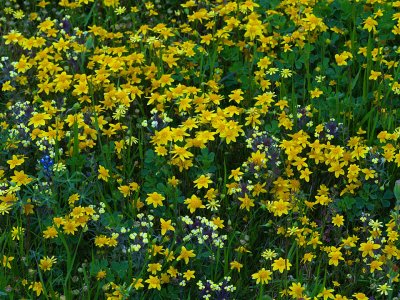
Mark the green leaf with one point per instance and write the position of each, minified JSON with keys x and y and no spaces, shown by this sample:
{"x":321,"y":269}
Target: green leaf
{"x":120,"y":268}
{"x":397,"y":190}
{"x":388,"y":195}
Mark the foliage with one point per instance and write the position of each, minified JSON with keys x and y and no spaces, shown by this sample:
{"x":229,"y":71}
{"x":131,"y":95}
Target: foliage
{"x":199,"y":150}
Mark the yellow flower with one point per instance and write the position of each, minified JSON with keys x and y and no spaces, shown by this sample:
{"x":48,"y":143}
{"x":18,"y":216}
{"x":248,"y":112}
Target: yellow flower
{"x":341,"y":59}
{"x":236,"y":95}
{"x":20,"y":178}
{"x":112,"y":3}
{"x":280,"y":207}
{"x":103,"y":174}
{"x":47,"y":263}
{"x":181,"y":153}
{"x":50,"y":233}
{"x":154,"y":282}
{"x":368,"y":173}
{"x":5,"y":208}
{"x":155,"y":198}
{"x":15,"y":161}
{"x":296,"y":290}
{"x":73,"y":198}
{"x":36,"y":287}
{"x":246,"y":202}
{"x":236,"y":174}
{"x":70,"y":227}
{"x":374,"y":75}
{"x":185,"y":255}
{"x":326,"y":294}
{"x":217,"y":221}
{"x":154,"y":268}
{"x":334,"y":256}
{"x":375,"y":265}
{"x":189,"y":274}
{"x":101,"y":240}
{"x":137,"y":283}
{"x":338,"y":220}
{"x":125,"y":190}
{"x":166,"y":226}
{"x":194,"y":203}
{"x":281,"y":264}
{"x":305,"y":174}
{"x":173,"y":181}
{"x":101,"y":275}
{"x":316,"y":93}
{"x":17,"y":232}
{"x":368,"y":248}
{"x":370,"y":24}
{"x":307,"y":257}
{"x":202,"y":182}
{"x":39,"y":119}
{"x":236,"y":265}
{"x":7,"y":260}
{"x":360,"y":296}
{"x":262,"y":276}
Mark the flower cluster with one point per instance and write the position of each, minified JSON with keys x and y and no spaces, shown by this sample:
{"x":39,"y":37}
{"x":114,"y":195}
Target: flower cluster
{"x":200,"y":149}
